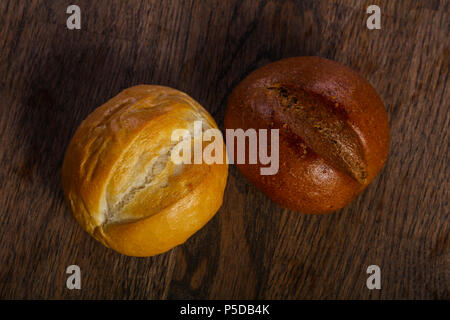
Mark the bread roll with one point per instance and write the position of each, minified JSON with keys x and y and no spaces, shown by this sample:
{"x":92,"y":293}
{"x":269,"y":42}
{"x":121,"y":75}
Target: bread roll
{"x":119,"y":179}
{"x":333,"y":131}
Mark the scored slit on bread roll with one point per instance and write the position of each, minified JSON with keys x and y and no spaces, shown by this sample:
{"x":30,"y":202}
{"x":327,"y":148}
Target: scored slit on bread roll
{"x":119,"y":179}
{"x":333,"y":131}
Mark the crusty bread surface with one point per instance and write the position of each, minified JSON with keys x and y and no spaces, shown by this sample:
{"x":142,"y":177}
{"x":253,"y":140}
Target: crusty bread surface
{"x":120,"y":182}
{"x":333,"y":128}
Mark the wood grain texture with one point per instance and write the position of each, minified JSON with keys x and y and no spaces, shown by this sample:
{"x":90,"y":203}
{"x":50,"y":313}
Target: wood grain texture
{"x":52,"y":78}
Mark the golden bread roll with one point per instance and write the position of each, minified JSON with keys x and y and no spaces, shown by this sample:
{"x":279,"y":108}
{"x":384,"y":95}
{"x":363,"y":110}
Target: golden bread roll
{"x":119,"y":179}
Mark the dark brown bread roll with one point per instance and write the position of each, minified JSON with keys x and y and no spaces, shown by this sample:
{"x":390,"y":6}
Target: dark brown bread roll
{"x":333,"y":127}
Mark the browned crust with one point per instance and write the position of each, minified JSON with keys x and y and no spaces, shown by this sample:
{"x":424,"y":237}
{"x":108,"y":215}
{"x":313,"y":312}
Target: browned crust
{"x":134,"y":128}
{"x":308,"y":181}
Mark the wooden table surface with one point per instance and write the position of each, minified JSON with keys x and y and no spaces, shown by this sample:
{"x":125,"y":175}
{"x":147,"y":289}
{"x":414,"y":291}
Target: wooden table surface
{"x":52,"y":78}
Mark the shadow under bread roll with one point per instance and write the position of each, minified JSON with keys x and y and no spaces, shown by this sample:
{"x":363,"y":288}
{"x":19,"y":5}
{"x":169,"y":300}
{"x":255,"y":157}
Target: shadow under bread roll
{"x":121,"y":183}
{"x":333,"y":131}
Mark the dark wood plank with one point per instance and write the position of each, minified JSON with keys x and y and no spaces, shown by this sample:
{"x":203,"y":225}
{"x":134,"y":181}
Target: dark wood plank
{"x":52,"y":78}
